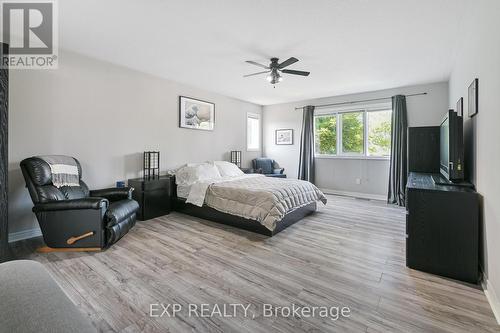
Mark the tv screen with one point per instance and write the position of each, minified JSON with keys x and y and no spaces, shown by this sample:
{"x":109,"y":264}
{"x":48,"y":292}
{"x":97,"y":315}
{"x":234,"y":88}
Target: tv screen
{"x":444,"y":136}
{"x":451,"y":147}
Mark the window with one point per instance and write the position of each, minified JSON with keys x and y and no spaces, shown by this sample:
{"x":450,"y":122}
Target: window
{"x":326,"y":135}
{"x":379,"y":133}
{"x":357,"y":133}
{"x":253,"y":132}
{"x":352,"y":132}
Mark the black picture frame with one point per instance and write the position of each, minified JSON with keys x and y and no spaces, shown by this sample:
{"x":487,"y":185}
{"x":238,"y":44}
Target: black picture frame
{"x":184,"y":120}
{"x":473,"y":98}
{"x":282,"y":141}
{"x":460,"y":107}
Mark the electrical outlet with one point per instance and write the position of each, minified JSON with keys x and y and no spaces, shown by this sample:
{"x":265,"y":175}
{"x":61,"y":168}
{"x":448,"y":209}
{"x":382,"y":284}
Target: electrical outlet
{"x":358,"y":181}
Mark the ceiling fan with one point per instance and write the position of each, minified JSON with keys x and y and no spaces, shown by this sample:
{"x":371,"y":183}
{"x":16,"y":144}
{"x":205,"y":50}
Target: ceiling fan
{"x":275,"y":69}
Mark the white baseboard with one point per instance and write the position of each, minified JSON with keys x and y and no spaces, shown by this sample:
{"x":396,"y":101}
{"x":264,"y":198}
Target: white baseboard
{"x":25,"y":234}
{"x":492,"y":297}
{"x":355,"y":194}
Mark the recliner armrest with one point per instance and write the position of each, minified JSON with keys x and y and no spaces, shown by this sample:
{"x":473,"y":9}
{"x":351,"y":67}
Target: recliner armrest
{"x":278,"y":171}
{"x":84,"y":203}
{"x":114,"y":193}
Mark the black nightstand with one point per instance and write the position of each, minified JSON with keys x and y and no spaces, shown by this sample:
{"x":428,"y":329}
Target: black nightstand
{"x":154,"y":196}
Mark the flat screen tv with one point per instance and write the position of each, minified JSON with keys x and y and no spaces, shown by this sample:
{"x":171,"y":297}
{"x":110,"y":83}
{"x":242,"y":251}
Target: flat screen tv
{"x":452,"y":147}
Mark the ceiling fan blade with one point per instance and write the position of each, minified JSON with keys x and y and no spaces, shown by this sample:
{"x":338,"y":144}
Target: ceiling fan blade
{"x":291,"y":71}
{"x":288,"y":62}
{"x":257,"y":64}
{"x":255,"y":74}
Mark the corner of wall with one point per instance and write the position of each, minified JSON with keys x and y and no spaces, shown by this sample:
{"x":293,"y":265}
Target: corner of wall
{"x":492,"y":297}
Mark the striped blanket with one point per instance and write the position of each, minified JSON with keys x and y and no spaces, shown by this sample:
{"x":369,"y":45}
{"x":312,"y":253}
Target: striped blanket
{"x":64,"y":170}
{"x":255,"y":197}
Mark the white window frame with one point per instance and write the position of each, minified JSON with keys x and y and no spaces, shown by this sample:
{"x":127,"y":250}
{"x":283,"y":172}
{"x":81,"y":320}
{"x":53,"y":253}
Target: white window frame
{"x":254,"y":116}
{"x":348,"y":109}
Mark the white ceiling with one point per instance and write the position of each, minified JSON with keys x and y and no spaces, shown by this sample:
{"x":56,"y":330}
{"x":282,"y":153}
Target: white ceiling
{"x":348,"y":46}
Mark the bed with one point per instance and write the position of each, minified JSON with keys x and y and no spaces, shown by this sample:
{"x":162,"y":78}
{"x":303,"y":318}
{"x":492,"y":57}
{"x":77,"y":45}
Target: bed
{"x":218,"y":191}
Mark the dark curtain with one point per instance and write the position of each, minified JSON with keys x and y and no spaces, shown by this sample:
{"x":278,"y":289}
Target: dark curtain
{"x":306,"y":162}
{"x":398,"y":171}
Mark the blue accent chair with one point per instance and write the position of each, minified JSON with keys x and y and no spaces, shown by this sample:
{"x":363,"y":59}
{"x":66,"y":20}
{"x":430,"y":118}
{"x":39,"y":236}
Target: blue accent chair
{"x":268,"y":167}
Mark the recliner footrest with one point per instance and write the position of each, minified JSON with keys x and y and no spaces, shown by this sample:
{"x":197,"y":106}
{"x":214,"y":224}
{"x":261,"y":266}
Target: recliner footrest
{"x":276,"y":175}
{"x":118,"y":230}
{"x":119,"y":218}
{"x":120,"y":210}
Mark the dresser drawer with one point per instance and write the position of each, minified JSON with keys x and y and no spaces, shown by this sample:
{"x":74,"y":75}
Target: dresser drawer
{"x":154,"y":196}
{"x":156,"y":184}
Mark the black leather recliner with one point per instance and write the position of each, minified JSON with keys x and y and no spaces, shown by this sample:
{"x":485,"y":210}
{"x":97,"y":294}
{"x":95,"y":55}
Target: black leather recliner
{"x":73,"y":216}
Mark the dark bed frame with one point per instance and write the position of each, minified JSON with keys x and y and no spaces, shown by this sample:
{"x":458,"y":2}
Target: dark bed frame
{"x":208,"y":213}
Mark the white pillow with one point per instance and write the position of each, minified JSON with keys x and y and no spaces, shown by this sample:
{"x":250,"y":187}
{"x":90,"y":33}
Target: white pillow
{"x":195,"y":164}
{"x":227,"y":169}
{"x":190,"y":174}
{"x":207,"y":171}
{"x":184,"y":174}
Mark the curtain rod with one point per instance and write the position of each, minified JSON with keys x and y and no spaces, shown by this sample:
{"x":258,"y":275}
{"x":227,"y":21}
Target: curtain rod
{"x":353,"y":102}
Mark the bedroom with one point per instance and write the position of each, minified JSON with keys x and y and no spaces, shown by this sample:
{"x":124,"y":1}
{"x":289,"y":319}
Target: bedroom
{"x":118,"y":90}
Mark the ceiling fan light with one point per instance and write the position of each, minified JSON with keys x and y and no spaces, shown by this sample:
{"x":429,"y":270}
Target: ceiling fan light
{"x":275,"y":69}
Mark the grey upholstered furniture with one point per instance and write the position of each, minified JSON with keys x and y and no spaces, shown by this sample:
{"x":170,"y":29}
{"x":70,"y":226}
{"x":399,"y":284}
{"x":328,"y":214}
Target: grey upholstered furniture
{"x":268,"y":167}
{"x":31,"y":301}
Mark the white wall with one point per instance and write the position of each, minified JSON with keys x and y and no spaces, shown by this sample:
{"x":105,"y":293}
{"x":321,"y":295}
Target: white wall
{"x":106,"y":116}
{"x":479,"y":57}
{"x":341,"y":174}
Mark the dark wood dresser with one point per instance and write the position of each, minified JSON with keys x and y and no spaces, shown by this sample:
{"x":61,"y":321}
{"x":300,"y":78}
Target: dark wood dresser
{"x":442,"y":228}
{"x":153,"y":195}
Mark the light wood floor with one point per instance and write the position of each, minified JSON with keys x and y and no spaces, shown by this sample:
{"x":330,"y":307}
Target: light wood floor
{"x":350,"y":253}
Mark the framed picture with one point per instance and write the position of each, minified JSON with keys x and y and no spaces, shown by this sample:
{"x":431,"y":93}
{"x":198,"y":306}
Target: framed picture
{"x":473,"y":97}
{"x":284,"y":137}
{"x":460,"y":107}
{"x":196,"y":114}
